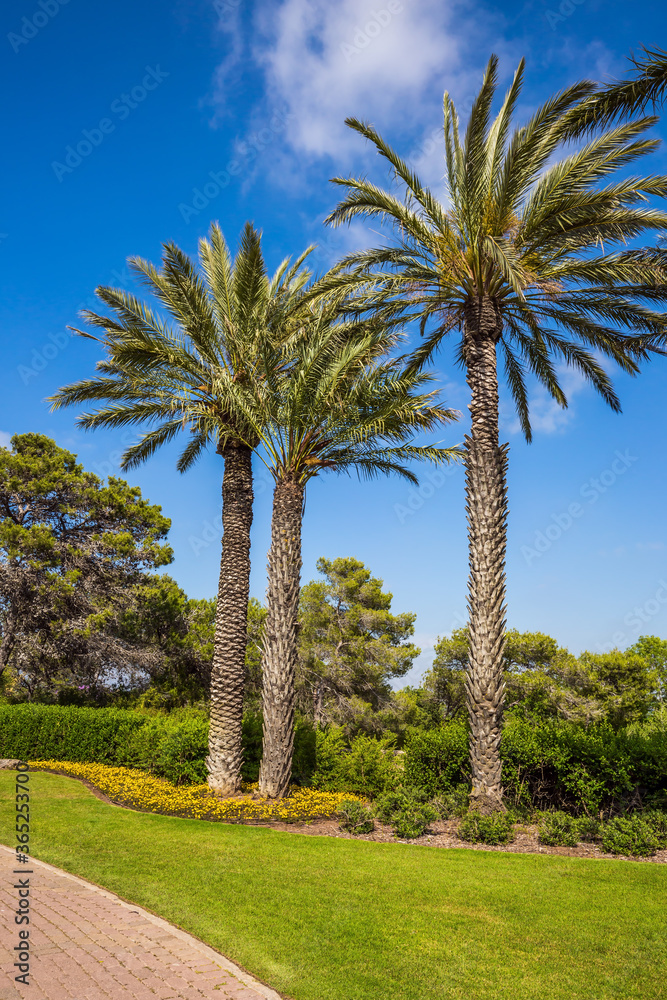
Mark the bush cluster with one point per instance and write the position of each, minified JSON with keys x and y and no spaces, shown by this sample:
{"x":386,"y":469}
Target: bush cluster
{"x":408,"y":811}
{"x":498,"y":828}
{"x":550,"y":765}
{"x":568,"y":773}
{"x":364,"y":765}
{"x":637,"y":835}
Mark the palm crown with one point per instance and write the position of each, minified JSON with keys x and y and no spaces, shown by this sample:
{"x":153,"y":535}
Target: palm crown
{"x":528,"y":234}
{"x":175,"y":375}
{"x":327,"y":400}
{"x":530,"y":260}
{"x":176,"y":378}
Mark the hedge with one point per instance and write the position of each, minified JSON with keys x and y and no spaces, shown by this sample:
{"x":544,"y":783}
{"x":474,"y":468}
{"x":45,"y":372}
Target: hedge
{"x":551,"y":765}
{"x":172,"y":746}
{"x":54,"y":732}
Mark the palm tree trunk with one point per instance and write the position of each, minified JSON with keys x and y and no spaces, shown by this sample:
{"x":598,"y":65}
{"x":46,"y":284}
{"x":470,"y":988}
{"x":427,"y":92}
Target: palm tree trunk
{"x":486,"y":503}
{"x":225,"y":754}
{"x":280,"y":639}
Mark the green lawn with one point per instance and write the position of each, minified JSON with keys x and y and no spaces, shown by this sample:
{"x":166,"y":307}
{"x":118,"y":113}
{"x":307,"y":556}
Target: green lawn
{"x":325,"y":919}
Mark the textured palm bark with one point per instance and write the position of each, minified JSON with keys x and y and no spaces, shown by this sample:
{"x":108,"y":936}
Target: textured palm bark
{"x":486,"y":505}
{"x":225,"y":755}
{"x":280,"y":639}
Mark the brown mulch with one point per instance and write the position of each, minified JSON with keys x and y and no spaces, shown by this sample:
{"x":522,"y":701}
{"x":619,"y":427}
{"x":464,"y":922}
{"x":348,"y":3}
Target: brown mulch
{"x":444,"y":835}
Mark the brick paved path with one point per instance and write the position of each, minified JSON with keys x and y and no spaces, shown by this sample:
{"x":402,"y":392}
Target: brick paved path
{"x":87,"y":944}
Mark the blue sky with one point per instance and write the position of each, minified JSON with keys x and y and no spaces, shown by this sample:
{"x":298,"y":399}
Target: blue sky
{"x":187,"y":112}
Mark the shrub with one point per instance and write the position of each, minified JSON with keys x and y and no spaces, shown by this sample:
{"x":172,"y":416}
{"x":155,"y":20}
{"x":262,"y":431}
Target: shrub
{"x":413,"y":820}
{"x":588,"y":828}
{"x":494,"y":829}
{"x":437,"y":760}
{"x":657,"y":820}
{"x":182,"y":751}
{"x":355,"y":817}
{"x":631,"y":835}
{"x":558,"y":829}
{"x":389,"y":804}
{"x":364,"y":766}
{"x":454,"y":803}
{"x":550,"y":765}
{"x":562,"y":765}
{"x":407,"y":810}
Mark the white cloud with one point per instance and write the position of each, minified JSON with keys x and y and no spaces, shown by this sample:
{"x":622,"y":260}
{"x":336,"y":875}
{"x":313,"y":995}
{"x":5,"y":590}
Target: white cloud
{"x":546,"y":415}
{"x":230,"y":26}
{"x":388,"y":60}
{"x":5,"y":439}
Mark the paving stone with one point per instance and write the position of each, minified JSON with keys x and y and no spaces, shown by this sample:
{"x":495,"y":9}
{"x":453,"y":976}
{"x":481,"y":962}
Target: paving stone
{"x":86,"y":944}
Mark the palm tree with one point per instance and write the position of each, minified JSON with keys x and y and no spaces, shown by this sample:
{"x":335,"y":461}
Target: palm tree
{"x":624,"y":98}
{"x":175,"y":377}
{"x":335,"y":407}
{"x":521,"y":261}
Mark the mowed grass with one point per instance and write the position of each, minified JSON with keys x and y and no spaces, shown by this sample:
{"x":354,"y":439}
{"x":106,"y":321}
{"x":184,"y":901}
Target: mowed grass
{"x":320,"y":918}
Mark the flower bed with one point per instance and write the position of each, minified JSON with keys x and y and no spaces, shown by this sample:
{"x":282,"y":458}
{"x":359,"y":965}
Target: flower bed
{"x":131,"y":787}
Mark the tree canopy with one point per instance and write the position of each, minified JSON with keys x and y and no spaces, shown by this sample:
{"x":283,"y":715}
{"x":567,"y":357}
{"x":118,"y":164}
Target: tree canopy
{"x":350,"y":644}
{"x":74,"y":555}
{"x":544,"y":679}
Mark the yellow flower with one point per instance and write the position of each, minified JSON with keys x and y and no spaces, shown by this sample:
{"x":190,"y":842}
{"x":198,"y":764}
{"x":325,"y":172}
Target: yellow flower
{"x":134,"y":788}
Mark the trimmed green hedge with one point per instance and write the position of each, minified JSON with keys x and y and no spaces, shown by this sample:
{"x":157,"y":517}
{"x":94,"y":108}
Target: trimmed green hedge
{"x":551,"y":765}
{"x":172,"y":746}
{"x":54,"y":732}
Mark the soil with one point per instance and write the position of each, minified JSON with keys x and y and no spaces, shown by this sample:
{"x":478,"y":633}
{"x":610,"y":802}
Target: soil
{"x":443,"y":834}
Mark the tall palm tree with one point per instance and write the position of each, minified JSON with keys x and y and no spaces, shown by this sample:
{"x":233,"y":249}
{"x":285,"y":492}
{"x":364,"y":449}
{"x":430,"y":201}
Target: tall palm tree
{"x":522,"y":261}
{"x":336,"y":407}
{"x":174,"y":376}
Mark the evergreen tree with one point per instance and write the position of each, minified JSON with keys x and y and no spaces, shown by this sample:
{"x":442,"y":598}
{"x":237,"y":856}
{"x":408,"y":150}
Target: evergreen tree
{"x":350,"y":644}
{"x":73,"y":554}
